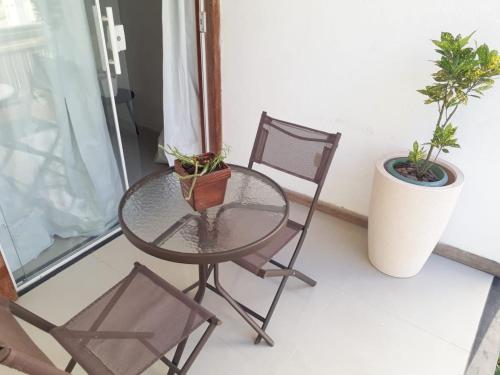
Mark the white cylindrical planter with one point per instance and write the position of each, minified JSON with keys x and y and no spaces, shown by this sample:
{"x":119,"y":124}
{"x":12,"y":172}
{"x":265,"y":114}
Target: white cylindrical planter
{"x":406,"y":221}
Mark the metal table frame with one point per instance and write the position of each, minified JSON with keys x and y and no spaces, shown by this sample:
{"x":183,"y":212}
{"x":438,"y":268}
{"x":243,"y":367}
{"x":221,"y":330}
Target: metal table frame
{"x":207,"y":262}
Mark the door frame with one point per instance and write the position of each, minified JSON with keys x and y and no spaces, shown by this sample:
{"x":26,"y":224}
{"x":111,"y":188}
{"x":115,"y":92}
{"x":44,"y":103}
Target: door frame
{"x":8,"y":285}
{"x":213,"y":107}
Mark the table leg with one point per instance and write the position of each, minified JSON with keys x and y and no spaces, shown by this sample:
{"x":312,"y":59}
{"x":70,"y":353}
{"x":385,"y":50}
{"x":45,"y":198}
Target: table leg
{"x":203,"y":275}
{"x":222,"y":292}
{"x":202,"y":286}
{"x":196,"y":284}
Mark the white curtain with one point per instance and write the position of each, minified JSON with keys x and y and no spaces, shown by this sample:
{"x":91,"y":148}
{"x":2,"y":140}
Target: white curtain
{"x":58,"y":175}
{"x":181,"y":110}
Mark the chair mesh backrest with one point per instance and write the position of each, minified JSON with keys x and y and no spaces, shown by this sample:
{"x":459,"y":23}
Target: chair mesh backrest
{"x":17,"y":350}
{"x":294,"y":149}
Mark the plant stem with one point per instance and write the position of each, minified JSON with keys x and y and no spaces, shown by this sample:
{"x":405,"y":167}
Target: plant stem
{"x":448,"y":118}
{"x":437,"y":155}
{"x":445,"y":99}
{"x":191,"y":188}
{"x":427,"y":163}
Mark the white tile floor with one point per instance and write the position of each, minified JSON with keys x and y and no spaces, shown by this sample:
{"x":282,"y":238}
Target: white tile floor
{"x":355,"y":321}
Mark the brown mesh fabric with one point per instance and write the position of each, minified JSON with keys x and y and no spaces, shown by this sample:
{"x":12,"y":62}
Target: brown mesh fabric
{"x":131,"y":326}
{"x":17,"y":350}
{"x":292,"y":148}
{"x":255,"y":261}
{"x":299,"y":151}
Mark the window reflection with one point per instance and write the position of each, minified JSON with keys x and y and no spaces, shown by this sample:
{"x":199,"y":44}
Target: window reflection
{"x":17,"y":13}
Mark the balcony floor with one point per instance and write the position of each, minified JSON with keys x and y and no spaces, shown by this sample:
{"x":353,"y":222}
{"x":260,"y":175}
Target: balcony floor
{"x":355,"y":321}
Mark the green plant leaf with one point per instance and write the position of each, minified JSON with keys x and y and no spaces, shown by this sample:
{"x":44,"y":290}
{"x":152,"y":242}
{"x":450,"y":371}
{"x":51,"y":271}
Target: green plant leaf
{"x":463,"y":71}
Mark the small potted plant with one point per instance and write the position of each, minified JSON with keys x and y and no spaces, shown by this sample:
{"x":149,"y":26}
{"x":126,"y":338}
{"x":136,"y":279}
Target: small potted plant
{"x":203,"y":178}
{"x":413,"y":196}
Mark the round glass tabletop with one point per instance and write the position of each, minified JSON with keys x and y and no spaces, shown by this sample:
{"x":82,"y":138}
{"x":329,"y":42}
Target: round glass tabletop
{"x":155,"y":217}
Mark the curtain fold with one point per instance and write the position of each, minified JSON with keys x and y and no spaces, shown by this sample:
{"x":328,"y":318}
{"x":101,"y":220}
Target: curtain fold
{"x":58,"y":175}
{"x":181,"y":109}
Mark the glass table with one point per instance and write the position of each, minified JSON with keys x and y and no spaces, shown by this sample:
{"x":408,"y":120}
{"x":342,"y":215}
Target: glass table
{"x":155,"y":217}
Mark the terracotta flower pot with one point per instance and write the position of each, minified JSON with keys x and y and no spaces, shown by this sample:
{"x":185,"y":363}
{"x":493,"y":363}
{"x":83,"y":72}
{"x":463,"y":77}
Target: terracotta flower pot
{"x":209,"y":190}
{"x":406,"y":220}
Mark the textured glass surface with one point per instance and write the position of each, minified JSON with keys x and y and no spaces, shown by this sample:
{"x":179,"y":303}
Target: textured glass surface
{"x":157,"y":213}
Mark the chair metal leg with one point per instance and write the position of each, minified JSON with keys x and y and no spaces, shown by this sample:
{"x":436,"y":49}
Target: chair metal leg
{"x":222,"y":292}
{"x":71,"y":365}
{"x":199,"y":346}
{"x":272,"y":308}
{"x":170,"y":365}
{"x":292,"y":272}
{"x":247,"y":309}
{"x":299,"y":275}
{"x":289,"y":272}
{"x":202,"y":285}
{"x":213,"y":322}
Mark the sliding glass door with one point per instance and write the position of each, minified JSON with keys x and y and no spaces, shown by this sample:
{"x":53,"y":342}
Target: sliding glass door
{"x":62,"y":167}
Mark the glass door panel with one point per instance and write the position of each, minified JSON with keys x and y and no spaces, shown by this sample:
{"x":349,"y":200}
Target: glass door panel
{"x":61,"y":161}
{"x":109,"y":44}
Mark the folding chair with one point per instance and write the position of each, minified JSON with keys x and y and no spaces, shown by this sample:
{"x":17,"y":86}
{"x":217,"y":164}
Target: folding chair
{"x":304,"y":153}
{"x":124,"y":332}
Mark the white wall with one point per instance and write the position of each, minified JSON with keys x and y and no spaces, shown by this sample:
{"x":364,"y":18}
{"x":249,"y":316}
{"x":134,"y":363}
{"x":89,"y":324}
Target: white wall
{"x":354,"y":67}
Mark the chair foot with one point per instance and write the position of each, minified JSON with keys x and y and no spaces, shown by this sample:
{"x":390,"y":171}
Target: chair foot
{"x":299,"y":275}
{"x":286,"y":272}
{"x":71,"y":365}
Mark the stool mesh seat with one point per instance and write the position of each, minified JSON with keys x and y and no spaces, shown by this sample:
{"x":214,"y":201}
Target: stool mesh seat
{"x":126,"y":330}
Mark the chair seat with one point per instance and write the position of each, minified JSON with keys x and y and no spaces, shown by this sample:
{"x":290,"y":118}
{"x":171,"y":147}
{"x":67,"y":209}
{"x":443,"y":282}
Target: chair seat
{"x":254,"y":262}
{"x":131,"y":326}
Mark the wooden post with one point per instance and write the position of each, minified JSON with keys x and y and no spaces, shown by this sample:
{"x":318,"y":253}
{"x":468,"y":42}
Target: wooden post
{"x":200,"y":76}
{"x":212,"y":8}
{"x":7,"y":288}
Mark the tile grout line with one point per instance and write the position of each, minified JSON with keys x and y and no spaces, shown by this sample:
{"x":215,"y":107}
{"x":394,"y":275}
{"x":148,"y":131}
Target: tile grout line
{"x":107,"y":265}
{"x":409,"y":322}
{"x":343,"y":289}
